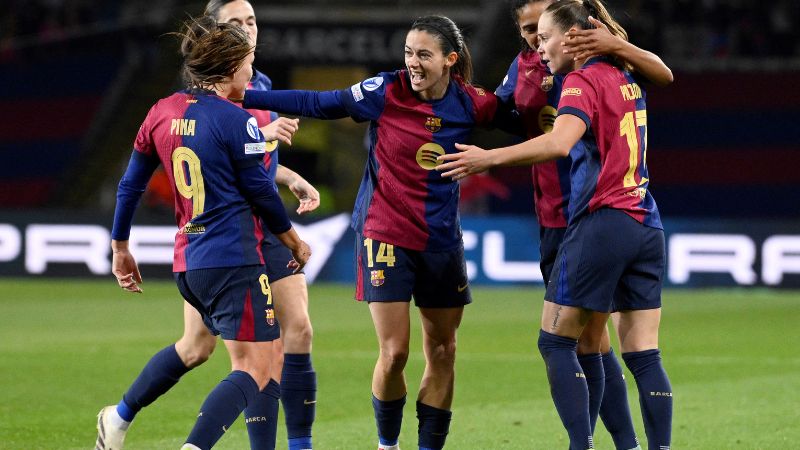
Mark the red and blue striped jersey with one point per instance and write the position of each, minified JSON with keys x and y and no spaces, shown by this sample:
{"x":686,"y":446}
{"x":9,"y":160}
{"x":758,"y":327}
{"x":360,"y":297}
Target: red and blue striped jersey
{"x":533,"y":92}
{"x":202,"y":141}
{"x":262,"y":82}
{"x":609,"y":168}
{"x":402,"y":199}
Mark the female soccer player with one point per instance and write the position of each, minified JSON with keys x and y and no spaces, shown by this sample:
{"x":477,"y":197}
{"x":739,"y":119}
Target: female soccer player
{"x":214,"y":153}
{"x":612,"y":256}
{"x":296,"y":376}
{"x":406,"y":215}
{"x":534,"y":92}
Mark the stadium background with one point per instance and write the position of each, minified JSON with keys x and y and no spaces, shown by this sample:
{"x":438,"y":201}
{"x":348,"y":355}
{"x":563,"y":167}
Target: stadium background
{"x":76,"y":80}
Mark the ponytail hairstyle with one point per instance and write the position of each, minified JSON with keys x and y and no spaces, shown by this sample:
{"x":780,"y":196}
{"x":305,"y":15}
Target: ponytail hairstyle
{"x":450,"y":39}
{"x":567,"y":13}
{"x":212,"y":52}
{"x":517,"y":5}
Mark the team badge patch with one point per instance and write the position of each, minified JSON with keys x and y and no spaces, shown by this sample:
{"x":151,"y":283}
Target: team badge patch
{"x":372,"y":83}
{"x":433,"y":124}
{"x":547,"y":83}
{"x":377,"y":278}
{"x":270,"y":316}
{"x":252,"y":128}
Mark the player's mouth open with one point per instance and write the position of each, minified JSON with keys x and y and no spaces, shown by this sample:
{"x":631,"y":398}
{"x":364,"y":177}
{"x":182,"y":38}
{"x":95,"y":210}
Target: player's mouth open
{"x":417,"y":77}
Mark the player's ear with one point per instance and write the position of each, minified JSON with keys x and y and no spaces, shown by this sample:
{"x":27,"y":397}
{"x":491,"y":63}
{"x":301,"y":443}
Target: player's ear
{"x":451,"y":59}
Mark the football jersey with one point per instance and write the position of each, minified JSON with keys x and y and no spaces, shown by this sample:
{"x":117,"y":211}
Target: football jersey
{"x":402,"y":199}
{"x":201,"y":140}
{"x":262,"y":82}
{"x":533,"y":92}
{"x":609,"y":167}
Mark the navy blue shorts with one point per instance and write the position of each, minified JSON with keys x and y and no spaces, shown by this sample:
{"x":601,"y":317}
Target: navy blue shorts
{"x":235,"y":302}
{"x":276,"y":256}
{"x":549,"y":241}
{"x":609,"y":262}
{"x":387,"y":273}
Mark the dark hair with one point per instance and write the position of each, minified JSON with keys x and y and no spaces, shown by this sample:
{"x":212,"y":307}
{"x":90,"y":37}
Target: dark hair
{"x":567,"y":13}
{"x":517,"y":5}
{"x":450,"y":40}
{"x":212,"y":51}
{"x":213,"y":7}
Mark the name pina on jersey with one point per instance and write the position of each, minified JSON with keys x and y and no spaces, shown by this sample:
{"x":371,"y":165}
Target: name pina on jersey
{"x":182,"y":127}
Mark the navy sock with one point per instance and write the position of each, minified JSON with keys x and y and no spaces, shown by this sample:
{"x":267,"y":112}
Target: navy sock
{"x":221,"y":408}
{"x":299,"y":398}
{"x":434,"y":424}
{"x":655,"y":395}
{"x":592,"y":366}
{"x":261,"y":417}
{"x":388,"y":418}
{"x":162,"y":372}
{"x":567,"y":387}
{"x":614,"y":410}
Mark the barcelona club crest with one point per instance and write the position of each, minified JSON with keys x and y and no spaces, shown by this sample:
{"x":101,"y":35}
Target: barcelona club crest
{"x":270,"y":316}
{"x":547,"y":83}
{"x":377,"y":278}
{"x":433,"y":124}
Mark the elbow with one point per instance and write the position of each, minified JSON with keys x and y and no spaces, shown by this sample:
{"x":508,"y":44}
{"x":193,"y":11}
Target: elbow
{"x":666,"y":79}
{"x":561,"y":150}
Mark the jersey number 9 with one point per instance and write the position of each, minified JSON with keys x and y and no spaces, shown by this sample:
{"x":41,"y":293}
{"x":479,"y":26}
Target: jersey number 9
{"x":186,"y":163}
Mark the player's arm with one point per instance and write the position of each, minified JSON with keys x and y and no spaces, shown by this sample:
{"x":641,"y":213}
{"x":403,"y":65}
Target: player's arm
{"x":302,"y":189}
{"x":321,"y":105}
{"x":471,"y":159}
{"x":256,"y":186}
{"x":129,"y":192}
{"x":600,"y":41}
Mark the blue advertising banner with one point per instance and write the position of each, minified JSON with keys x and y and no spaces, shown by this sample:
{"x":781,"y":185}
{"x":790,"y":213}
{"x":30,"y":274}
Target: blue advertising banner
{"x":499,"y":250}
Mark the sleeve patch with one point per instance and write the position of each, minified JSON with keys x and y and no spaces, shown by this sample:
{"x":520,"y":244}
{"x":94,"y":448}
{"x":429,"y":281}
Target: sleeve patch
{"x":255,"y":148}
{"x":358,"y":95}
{"x":372,"y":83}
{"x":252,"y":128}
{"x":571,"y":91}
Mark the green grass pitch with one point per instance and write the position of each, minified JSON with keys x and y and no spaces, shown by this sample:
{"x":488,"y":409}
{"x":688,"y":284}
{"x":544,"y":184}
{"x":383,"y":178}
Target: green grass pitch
{"x":67,"y":348}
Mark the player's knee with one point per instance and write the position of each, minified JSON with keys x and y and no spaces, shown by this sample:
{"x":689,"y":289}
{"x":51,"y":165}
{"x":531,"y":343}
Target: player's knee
{"x":196,"y":352}
{"x":443,"y":354}
{"x":302,"y":335}
{"x":588,"y":346}
{"x":394,"y":360}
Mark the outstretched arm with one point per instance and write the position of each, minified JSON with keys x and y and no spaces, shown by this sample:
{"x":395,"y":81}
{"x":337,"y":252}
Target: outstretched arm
{"x":582,"y":44}
{"x":322,"y":105}
{"x":567,"y":130}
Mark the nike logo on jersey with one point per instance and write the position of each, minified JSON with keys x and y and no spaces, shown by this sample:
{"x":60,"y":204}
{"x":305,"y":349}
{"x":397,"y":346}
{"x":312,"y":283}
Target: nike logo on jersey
{"x":528,"y":72}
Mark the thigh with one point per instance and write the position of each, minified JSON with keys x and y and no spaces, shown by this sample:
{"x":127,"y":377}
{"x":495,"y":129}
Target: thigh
{"x":442,"y":280}
{"x":384,"y":272}
{"x":237,"y":301}
{"x":392,"y":324}
{"x":194,"y":327}
{"x":565,"y":321}
{"x":440,"y":324}
{"x":638,"y":330}
{"x":290,"y":297}
{"x":276,"y":257}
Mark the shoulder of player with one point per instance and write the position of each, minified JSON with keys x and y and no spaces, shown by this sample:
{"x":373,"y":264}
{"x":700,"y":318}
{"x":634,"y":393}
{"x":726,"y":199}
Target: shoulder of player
{"x":260,"y":81}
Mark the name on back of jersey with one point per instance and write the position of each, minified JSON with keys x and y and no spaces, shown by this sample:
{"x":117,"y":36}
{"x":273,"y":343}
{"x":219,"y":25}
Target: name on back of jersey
{"x":182,"y":127}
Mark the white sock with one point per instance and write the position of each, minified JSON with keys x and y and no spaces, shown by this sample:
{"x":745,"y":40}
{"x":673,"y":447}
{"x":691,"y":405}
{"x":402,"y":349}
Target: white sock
{"x":116,"y":421}
{"x":389,"y":447}
{"x":188,"y":446}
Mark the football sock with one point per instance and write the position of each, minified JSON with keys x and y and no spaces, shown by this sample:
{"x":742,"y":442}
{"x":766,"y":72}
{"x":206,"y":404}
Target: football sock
{"x":163,"y":370}
{"x":388,"y":418}
{"x":434,"y":424}
{"x":221,"y":408}
{"x":567,"y":387}
{"x":614,"y":409}
{"x":592,"y":366}
{"x":116,"y":421}
{"x":261,"y":417}
{"x":299,"y":398}
{"x":655,"y":395}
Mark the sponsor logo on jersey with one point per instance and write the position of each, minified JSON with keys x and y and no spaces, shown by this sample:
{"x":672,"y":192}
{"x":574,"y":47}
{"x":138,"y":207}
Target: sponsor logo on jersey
{"x":571,"y":91}
{"x":356,"y":91}
{"x":373,"y":83}
{"x":270,"y":316}
{"x":377,"y":278}
{"x":547,"y":83}
{"x":256,"y":148}
{"x":547,"y":117}
{"x":433,"y":124}
{"x":427,"y":154}
{"x":193,"y":228}
{"x":252,"y":128}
